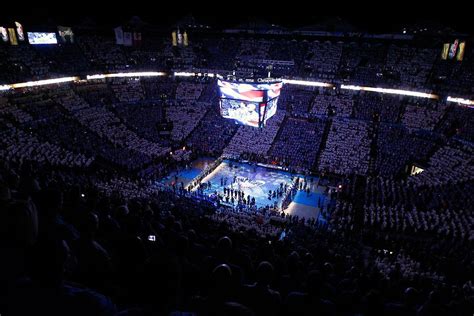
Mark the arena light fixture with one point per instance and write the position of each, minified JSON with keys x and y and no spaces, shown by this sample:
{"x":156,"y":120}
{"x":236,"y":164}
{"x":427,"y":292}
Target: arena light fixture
{"x":184,"y":74}
{"x":307,"y":83}
{"x":469,"y":103}
{"x":43,"y":82}
{"x":391,"y":91}
{"x":5,"y":87}
{"x":92,"y":77}
{"x":127,"y":75}
{"x":350,"y":87}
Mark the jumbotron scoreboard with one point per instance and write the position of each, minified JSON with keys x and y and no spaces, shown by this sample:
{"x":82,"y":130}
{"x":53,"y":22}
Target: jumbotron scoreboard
{"x":249,"y":102}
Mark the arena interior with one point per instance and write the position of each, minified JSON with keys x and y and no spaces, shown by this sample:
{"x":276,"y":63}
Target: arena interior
{"x":246,"y":170}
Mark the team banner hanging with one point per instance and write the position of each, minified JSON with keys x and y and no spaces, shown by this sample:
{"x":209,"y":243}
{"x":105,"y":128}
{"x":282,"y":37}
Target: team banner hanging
{"x":185,"y":39}
{"x":11,"y":32}
{"x":19,"y":30}
{"x":137,"y":39}
{"x":118,"y":35}
{"x":453,"y":49}
{"x":461,"y":49}
{"x":180,"y":38}
{"x":127,"y":38}
{"x":4,"y":34}
{"x":445,"y":52}
{"x":173,"y":38}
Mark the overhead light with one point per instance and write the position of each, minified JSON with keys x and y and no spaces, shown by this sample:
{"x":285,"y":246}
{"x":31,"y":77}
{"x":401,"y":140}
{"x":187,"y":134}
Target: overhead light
{"x":391,"y":91}
{"x":43,"y":82}
{"x":307,"y":83}
{"x":127,"y":74}
{"x":469,"y":103}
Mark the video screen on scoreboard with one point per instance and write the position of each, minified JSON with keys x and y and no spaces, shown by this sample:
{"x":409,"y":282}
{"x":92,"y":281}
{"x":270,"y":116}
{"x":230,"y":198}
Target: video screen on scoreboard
{"x":271,"y":109}
{"x":274,"y":90}
{"x":37,"y":38}
{"x":244,"y":112}
{"x":272,"y":96}
{"x":247,"y":102}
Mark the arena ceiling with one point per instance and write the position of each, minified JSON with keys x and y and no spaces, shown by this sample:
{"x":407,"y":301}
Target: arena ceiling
{"x":387,"y":17}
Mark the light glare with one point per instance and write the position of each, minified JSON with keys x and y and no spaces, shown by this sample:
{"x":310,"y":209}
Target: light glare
{"x":391,"y":91}
{"x":43,"y":82}
{"x":307,"y":83}
{"x":469,"y":103}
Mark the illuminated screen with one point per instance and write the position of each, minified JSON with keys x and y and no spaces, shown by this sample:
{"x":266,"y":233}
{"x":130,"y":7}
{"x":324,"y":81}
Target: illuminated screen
{"x":243,"y":112}
{"x":249,"y":103}
{"x":271,"y":109}
{"x":241,"y":91}
{"x":36,"y":38}
{"x":274,"y":90}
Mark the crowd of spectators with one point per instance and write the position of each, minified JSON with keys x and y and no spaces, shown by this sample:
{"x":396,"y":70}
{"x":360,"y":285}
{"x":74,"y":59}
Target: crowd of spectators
{"x":185,"y":118}
{"x":405,"y":64}
{"x":398,"y":148}
{"x":107,"y":125}
{"x":18,"y":146}
{"x":452,"y":163}
{"x":298,"y":142}
{"x":347,"y":148}
{"x":124,"y":117}
{"x":127,"y":90}
{"x":431,"y":112}
{"x":251,"y":140}
{"x":411,"y":67}
{"x":212,"y":134}
{"x":458,"y":122}
{"x":86,"y":229}
{"x":328,"y":103}
{"x":371,"y":106}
